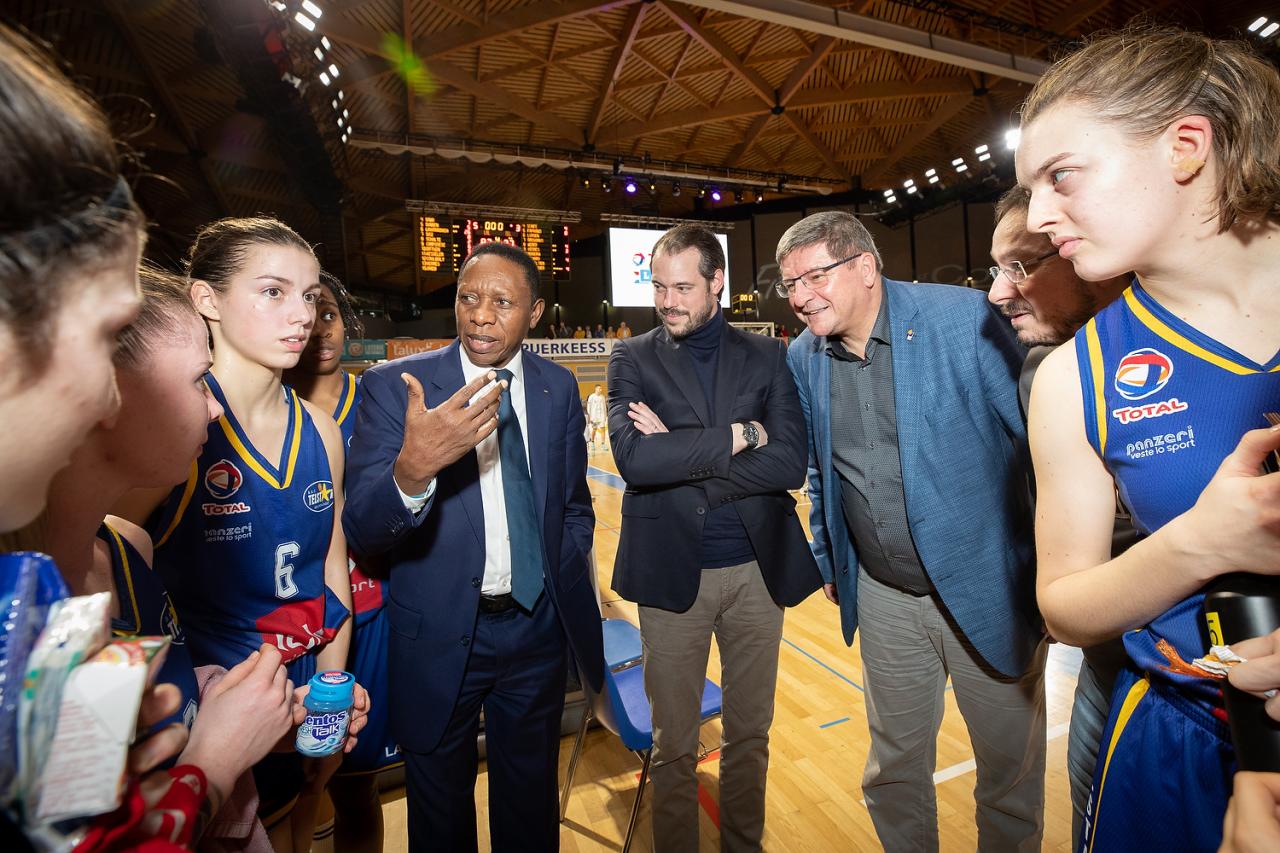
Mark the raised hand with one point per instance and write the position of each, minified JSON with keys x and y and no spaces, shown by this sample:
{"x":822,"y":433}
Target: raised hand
{"x":436,"y":438}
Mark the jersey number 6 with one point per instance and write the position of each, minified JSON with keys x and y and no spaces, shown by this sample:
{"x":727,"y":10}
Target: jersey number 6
{"x":285,"y":587}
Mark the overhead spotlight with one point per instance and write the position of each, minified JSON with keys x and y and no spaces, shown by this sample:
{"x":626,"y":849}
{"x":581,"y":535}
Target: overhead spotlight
{"x":1257,"y":25}
{"x":888,"y":193}
{"x":1012,"y":137}
{"x":606,"y":185}
{"x":324,"y":78}
{"x":346,"y":115}
{"x":981,"y":149}
{"x":340,"y":95}
{"x":340,"y":122}
{"x":1269,"y":30}
{"x":911,"y":190}
{"x":333,"y":69}
{"x":319,"y":54}
{"x":675,"y":189}
{"x":315,"y":10}
{"x":278,"y":6}
{"x":715,"y":195}
{"x":630,"y":186}
{"x":759,"y":196}
{"x":890,"y":198}
{"x":301,"y":18}
{"x":909,"y":183}
{"x":929,"y":173}
{"x":962,"y":168}
{"x":653,"y":187}
{"x":586,"y":182}
{"x":334,"y":103}
{"x":702,"y":192}
{"x":984,"y":156}
{"x":933,"y":179}
{"x":324,"y":40}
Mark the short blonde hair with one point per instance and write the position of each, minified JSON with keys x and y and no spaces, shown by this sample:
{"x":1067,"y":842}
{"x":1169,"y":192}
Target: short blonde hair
{"x":1145,"y":78}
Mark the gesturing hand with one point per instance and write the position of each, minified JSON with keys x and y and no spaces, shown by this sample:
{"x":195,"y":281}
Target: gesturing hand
{"x":436,"y":438}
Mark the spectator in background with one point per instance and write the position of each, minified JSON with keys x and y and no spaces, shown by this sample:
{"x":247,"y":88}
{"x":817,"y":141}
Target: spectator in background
{"x":597,"y":419}
{"x":610,"y":333}
{"x":624,"y":331}
{"x":563,"y":330}
{"x":599,"y":332}
{"x":579,"y":333}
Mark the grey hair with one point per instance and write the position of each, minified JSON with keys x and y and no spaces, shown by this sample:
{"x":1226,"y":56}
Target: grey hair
{"x":840,"y":232}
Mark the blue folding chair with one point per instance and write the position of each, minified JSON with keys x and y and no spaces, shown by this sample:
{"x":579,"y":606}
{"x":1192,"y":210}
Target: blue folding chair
{"x":623,"y":708}
{"x":622,"y":646}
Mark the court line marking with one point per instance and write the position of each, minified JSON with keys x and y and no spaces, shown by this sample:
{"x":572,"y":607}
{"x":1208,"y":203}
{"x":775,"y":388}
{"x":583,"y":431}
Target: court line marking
{"x":835,"y":672}
{"x":834,"y":723}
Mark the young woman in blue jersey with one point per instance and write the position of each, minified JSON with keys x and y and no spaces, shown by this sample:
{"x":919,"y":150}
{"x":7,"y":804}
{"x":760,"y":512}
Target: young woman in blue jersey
{"x":250,"y":547}
{"x":319,"y":379}
{"x":1158,"y":152}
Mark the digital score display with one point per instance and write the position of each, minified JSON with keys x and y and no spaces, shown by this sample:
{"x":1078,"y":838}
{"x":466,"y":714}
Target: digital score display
{"x":443,"y":244}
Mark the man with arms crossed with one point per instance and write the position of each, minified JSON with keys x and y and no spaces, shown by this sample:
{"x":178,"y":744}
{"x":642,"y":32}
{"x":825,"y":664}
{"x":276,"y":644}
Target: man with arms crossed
{"x":707,"y":432}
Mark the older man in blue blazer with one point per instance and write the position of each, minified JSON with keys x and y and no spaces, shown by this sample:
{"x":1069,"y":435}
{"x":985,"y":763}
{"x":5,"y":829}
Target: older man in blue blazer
{"x":921,"y":526}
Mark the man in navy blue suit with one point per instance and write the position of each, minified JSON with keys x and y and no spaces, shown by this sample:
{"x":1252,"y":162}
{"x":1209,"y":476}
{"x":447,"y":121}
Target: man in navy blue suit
{"x":921,"y":526}
{"x":466,"y":479}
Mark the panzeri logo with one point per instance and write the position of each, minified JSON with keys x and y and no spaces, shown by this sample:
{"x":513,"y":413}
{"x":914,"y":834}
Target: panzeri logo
{"x":1166,"y":443}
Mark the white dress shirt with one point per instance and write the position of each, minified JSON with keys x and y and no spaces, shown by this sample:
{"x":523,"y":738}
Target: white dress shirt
{"x":497,"y":544}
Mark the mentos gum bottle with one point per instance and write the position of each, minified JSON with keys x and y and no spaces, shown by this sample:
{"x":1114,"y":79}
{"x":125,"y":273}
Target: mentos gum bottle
{"x":329,"y":703}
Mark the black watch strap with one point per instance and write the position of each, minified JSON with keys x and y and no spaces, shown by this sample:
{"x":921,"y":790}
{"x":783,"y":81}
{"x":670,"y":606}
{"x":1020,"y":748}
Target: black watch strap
{"x":751,"y":434}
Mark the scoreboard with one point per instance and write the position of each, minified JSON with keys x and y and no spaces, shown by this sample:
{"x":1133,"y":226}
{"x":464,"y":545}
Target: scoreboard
{"x":444,"y":243}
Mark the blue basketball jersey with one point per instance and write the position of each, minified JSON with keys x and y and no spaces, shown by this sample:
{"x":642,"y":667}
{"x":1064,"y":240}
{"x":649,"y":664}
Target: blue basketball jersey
{"x":145,"y":610}
{"x":344,"y":414}
{"x":1163,"y":406}
{"x":241,"y":546}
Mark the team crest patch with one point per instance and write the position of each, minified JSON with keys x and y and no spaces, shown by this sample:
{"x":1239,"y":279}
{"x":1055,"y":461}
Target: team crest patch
{"x":1142,"y":373}
{"x":223,"y":479}
{"x":319,"y":496}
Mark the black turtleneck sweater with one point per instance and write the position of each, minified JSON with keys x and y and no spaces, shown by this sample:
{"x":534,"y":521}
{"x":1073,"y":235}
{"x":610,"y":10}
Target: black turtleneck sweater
{"x":724,"y":537}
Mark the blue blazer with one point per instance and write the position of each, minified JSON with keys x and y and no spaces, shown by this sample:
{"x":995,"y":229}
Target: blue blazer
{"x":436,"y":558}
{"x":963,"y":446}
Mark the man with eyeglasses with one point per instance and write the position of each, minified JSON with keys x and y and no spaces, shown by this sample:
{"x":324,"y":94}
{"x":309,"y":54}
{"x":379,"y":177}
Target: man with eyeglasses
{"x":706,"y":430}
{"x":1047,"y":303}
{"x":922,"y":526}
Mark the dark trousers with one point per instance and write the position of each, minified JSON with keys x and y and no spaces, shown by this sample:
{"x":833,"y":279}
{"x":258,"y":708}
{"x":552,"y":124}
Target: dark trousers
{"x":516,"y":673}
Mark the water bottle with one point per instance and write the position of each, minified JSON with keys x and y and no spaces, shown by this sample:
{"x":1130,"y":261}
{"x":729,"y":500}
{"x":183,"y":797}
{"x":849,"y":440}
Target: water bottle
{"x":1238,"y":607}
{"x":329,"y":703}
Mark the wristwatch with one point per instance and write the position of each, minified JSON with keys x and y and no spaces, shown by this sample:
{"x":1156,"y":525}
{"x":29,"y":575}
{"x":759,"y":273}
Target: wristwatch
{"x":751,"y":434}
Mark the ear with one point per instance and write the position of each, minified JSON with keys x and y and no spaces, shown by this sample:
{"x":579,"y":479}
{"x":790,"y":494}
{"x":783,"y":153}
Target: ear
{"x":867,"y":270}
{"x":205,"y":298}
{"x":538,"y":306}
{"x":1190,"y":143}
{"x":717,"y":284}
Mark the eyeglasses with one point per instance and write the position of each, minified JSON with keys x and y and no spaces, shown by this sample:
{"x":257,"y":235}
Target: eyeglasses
{"x":1016,"y":272}
{"x":814,"y":279}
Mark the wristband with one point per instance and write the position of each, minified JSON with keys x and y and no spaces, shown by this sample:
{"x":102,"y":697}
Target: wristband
{"x":173,"y":818}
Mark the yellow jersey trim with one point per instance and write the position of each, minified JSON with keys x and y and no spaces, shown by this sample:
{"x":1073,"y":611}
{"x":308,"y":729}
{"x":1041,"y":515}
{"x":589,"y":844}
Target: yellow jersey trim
{"x":187,"y":492}
{"x":1155,"y":324}
{"x":246,"y":455}
{"x":128,"y":576}
{"x":1099,"y":383}
{"x":346,"y":405}
{"x":1131,"y":700}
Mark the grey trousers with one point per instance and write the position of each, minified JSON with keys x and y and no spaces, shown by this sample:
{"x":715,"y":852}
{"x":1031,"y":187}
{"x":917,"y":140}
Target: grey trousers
{"x":735,"y":605}
{"x":909,"y":646}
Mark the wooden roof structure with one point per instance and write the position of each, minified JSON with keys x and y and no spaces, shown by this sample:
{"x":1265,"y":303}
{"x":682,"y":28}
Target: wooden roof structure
{"x":488,"y":101}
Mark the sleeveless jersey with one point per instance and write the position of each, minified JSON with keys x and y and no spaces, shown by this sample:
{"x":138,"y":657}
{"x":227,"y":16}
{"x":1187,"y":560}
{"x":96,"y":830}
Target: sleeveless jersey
{"x":241,"y":546}
{"x":145,"y":610}
{"x":1163,"y":406}
{"x":344,"y":413}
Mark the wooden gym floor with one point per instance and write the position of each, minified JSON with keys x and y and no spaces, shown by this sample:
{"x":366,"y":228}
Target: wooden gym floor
{"x":818,"y":744}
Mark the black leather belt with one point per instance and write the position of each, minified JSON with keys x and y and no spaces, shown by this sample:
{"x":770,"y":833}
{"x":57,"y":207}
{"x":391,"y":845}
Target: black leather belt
{"x":497,"y":603}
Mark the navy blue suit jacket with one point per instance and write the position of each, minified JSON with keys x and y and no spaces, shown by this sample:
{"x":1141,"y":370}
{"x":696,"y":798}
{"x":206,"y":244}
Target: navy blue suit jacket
{"x":963,"y":446}
{"x":436,"y":558}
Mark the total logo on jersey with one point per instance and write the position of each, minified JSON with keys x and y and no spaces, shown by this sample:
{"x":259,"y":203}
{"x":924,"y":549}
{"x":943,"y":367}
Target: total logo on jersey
{"x":1142,"y":373}
{"x":236,"y":508}
{"x":223,"y":479}
{"x":319,"y":496}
